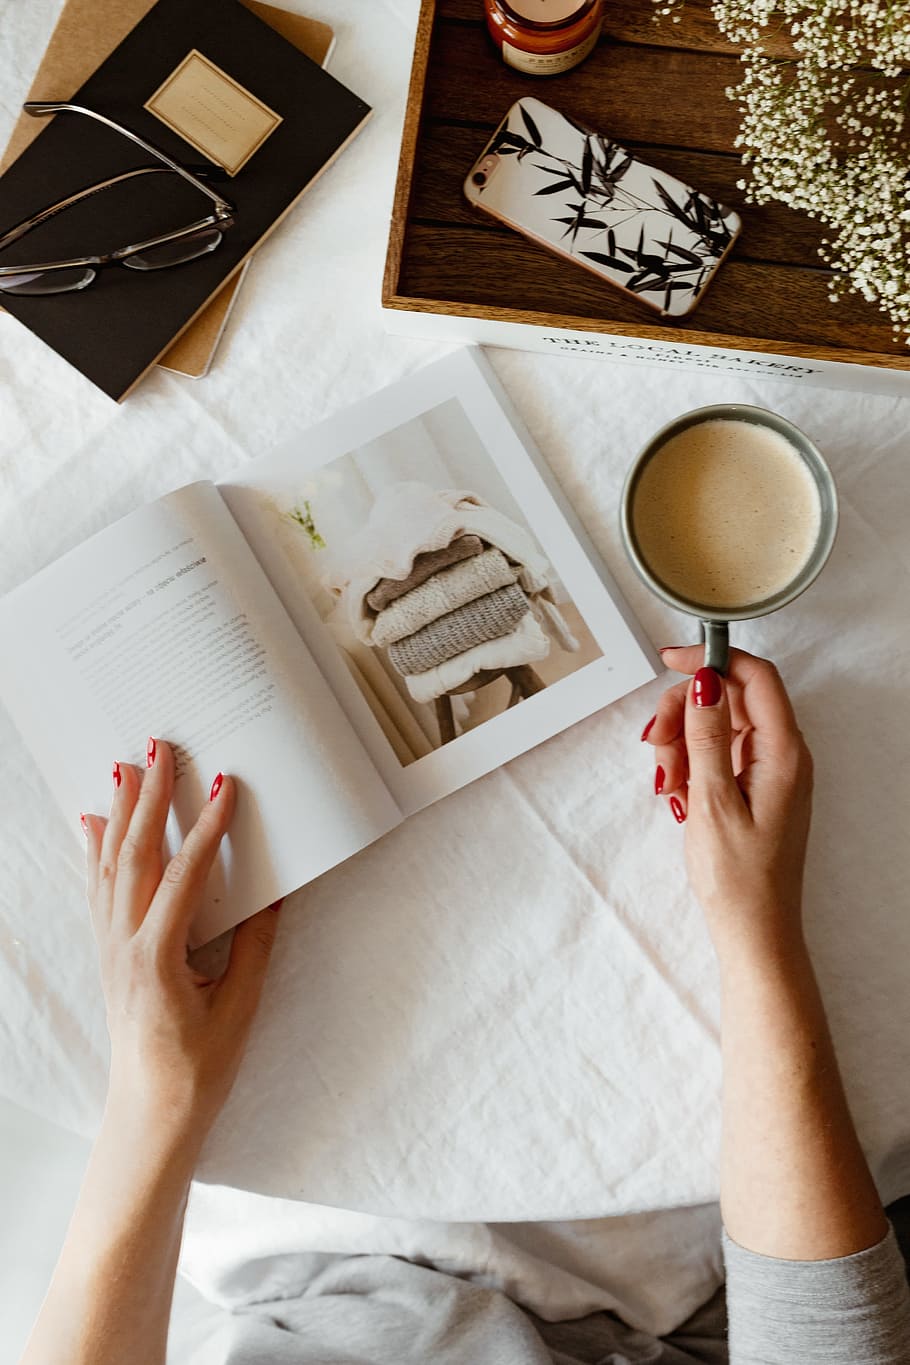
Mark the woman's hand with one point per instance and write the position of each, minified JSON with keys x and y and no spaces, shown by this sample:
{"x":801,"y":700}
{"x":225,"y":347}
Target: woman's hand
{"x":734,"y":767}
{"x":736,"y":770}
{"x":176,"y":1037}
{"x":176,"y":1043}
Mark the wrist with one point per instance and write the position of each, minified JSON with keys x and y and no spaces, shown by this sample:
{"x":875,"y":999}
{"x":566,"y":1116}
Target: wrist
{"x":165,"y":1131}
{"x":759,"y":943}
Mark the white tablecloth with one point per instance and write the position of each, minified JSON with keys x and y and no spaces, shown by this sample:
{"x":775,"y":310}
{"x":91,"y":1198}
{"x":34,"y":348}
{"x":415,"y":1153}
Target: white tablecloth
{"x":507,"y":1009}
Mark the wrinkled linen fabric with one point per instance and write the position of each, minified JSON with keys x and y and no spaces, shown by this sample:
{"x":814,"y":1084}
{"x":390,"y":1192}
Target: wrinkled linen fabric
{"x":507,"y":1008}
{"x":380,"y":1310}
{"x":442,"y":593}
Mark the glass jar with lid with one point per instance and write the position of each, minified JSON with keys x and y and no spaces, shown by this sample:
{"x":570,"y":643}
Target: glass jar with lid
{"x":544,"y":37}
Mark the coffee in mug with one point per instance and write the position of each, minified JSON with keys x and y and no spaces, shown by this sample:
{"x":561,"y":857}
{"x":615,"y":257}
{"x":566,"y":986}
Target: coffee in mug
{"x":728,"y":513}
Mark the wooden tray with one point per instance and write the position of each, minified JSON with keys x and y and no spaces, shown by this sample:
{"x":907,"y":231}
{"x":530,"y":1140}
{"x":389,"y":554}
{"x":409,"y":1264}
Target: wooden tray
{"x":658,"y":88}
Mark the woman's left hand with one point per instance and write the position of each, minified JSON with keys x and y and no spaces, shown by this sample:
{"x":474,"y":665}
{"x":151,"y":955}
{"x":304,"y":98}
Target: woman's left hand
{"x":176,"y":1037}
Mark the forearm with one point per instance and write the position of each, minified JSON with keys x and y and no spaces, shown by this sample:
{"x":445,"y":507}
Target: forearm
{"x":110,"y":1296}
{"x":794,"y":1180}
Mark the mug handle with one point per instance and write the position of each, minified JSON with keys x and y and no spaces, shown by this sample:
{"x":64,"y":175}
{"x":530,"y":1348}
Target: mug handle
{"x":716,"y":639}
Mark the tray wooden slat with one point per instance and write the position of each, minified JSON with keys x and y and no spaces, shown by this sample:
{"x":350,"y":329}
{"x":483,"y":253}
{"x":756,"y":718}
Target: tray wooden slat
{"x":746,"y":299}
{"x":664,"y":97}
{"x":621,"y":91}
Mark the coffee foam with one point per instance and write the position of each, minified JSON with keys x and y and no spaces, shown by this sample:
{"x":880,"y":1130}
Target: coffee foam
{"x":726,"y":513}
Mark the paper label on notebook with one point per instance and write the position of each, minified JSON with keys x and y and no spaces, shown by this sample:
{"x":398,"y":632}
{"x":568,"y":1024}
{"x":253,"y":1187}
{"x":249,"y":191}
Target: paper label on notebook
{"x":213,"y":112}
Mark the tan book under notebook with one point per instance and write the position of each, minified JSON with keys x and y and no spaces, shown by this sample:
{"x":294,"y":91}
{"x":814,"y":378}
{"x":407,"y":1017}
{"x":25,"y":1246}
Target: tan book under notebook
{"x":85,"y":35}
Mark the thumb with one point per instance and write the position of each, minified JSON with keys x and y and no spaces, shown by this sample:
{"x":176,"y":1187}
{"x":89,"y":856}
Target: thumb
{"x":251,"y":950}
{"x":708,"y":733}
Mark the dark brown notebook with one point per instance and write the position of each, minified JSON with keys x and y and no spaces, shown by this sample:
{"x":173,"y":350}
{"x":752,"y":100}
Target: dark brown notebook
{"x":84,"y":36}
{"x":116,"y":329}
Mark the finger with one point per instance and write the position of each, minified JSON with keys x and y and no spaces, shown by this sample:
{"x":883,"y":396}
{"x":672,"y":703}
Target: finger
{"x":689,"y":659}
{"x":241,"y":985}
{"x":666,"y":734}
{"x":139,"y":862}
{"x":666,"y":724}
{"x":739,"y":716}
{"x":126,"y":793}
{"x":755,"y":691}
{"x":774,"y":754}
{"x":768,"y":707}
{"x":743,"y":753}
{"x":678,"y":804}
{"x":93,"y":827}
{"x":708,"y":738}
{"x":182,"y":883}
{"x":758,"y":678}
{"x":684,"y":658}
{"x":671,"y":767}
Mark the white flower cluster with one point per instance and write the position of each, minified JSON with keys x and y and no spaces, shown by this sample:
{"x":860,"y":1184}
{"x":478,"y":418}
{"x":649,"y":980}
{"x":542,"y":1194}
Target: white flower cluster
{"x":822,"y":130}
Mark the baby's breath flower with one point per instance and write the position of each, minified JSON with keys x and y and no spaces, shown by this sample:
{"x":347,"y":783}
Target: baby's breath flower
{"x":820,"y":131}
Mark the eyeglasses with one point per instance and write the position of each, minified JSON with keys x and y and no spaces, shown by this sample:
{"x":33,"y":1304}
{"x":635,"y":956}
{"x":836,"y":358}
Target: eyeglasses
{"x":157,"y":253}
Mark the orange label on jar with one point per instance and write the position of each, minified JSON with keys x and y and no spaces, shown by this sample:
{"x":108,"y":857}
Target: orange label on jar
{"x":548,"y":63}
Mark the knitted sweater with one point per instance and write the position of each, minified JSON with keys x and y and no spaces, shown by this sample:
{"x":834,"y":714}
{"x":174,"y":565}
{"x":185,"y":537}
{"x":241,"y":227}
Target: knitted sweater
{"x":425,"y":565}
{"x":486,"y":618}
{"x":441,"y":594}
{"x":526,"y":644}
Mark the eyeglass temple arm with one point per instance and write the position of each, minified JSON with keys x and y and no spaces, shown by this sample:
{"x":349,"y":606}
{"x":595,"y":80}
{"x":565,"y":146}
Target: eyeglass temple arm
{"x":20,"y":229}
{"x":39,"y":108}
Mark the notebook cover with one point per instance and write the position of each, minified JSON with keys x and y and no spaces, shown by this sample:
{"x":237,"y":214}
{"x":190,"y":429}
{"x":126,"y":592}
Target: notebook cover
{"x":116,"y":329}
{"x":191,"y":354}
{"x":87,"y":32}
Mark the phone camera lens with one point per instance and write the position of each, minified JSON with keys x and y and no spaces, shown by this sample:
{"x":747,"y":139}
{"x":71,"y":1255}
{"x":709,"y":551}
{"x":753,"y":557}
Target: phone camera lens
{"x":479,"y":178}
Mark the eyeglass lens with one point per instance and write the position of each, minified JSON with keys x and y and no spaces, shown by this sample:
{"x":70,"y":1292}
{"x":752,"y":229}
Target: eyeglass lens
{"x":37,"y":282}
{"x":176,"y":252}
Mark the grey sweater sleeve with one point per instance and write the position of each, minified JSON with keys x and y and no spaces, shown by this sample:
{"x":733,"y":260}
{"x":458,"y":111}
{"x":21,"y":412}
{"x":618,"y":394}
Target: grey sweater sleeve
{"x":851,"y":1311}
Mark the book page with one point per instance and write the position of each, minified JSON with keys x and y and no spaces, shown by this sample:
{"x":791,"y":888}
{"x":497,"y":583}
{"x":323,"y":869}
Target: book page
{"x":165,"y":625}
{"x":456,"y":609}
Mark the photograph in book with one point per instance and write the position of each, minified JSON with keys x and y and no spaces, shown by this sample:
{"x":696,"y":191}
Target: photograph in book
{"x":437,"y":594}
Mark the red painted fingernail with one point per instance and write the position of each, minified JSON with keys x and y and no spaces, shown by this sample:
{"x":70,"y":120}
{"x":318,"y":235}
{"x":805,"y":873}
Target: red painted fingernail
{"x":706,"y":687}
{"x":647,"y":730}
{"x":216,"y":786}
{"x":84,"y":824}
{"x":151,"y":750}
{"x":659,"y":780}
{"x":116,"y":774}
{"x":678,"y":812}
{"x":664,"y":648}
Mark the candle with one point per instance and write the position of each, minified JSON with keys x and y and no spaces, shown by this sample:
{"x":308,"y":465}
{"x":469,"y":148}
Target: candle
{"x":544,"y":37}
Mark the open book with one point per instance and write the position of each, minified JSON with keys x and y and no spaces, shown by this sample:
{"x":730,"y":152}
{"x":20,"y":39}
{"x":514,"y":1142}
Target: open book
{"x":383,"y":610}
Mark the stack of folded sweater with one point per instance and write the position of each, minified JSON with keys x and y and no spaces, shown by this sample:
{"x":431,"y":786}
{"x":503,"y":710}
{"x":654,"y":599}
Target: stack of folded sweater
{"x":448,"y":620}
{"x":466,"y":592}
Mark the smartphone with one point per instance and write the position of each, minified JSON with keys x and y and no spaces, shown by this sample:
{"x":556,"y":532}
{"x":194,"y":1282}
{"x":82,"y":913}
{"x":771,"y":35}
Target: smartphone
{"x":594,"y":203}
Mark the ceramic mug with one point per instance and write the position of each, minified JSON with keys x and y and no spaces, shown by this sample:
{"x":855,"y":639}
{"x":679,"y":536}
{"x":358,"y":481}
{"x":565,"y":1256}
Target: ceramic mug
{"x":715,"y":619}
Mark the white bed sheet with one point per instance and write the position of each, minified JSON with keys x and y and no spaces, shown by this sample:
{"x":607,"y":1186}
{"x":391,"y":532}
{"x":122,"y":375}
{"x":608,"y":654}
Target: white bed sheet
{"x":507,"y":1009}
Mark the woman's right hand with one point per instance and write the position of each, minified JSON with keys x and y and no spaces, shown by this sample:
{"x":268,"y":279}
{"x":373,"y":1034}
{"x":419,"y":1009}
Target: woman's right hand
{"x":735,"y":769}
